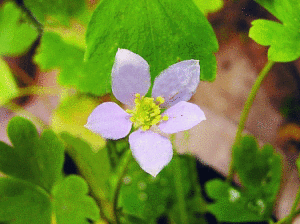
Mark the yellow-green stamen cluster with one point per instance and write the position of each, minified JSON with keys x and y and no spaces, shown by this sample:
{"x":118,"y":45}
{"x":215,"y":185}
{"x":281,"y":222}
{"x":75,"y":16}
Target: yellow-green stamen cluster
{"x":146,"y":112}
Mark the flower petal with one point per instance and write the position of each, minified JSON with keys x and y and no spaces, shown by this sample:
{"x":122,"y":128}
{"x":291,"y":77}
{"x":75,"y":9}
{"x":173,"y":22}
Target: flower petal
{"x":110,"y":121}
{"x":182,"y":116}
{"x":130,"y":75}
{"x":178,"y":82}
{"x":151,"y":150}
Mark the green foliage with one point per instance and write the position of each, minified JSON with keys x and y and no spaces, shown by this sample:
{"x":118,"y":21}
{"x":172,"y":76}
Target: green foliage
{"x":17,"y":33}
{"x":55,"y":53}
{"x":39,"y":160}
{"x":233,"y":205}
{"x":260,"y":174}
{"x":209,"y":6}
{"x":61,"y":10}
{"x":147,"y":198}
{"x":71,"y":202}
{"x":283,"y":38}
{"x":259,"y":170}
{"x":93,"y":165}
{"x":34,"y":165}
{"x":22,"y":202}
{"x":8,"y":86}
{"x":162,"y":32}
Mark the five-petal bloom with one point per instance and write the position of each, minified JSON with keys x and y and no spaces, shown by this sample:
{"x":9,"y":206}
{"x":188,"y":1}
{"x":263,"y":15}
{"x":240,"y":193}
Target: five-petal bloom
{"x":172,"y":88}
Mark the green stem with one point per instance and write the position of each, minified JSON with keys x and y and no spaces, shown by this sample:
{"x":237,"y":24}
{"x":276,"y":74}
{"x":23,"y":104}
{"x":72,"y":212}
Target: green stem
{"x":178,"y":185}
{"x":20,"y":110}
{"x":247,"y":108}
{"x":121,"y":172}
{"x":39,"y":90}
{"x":294,"y":207}
{"x":288,"y":218}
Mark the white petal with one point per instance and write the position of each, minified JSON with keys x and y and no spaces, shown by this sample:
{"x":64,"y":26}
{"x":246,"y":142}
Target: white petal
{"x":182,"y":116}
{"x":151,"y":150}
{"x":110,"y":121}
{"x":130,"y":75}
{"x":178,"y":82}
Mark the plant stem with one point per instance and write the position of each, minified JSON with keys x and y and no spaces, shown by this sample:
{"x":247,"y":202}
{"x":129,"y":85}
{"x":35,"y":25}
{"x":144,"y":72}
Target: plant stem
{"x":178,"y":185}
{"x":288,"y":218}
{"x":18,"y":109}
{"x":121,"y":172}
{"x":294,"y":207}
{"x":39,"y":90}
{"x":246,"y":110}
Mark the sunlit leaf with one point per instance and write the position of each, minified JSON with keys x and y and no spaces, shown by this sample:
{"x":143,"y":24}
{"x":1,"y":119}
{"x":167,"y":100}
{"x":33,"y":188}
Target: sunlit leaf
{"x":8,"y":86}
{"x":17,"y":33}
{"x":283,"y":38}
{"x":209,"y":6}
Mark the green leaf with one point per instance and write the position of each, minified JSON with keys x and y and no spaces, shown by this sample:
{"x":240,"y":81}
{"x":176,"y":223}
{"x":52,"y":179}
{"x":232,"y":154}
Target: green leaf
{"x":260,"y":174}
{"x":147,"y":198}
{"x":232,"y":205}
{"x":209,"y":6}
{"x":37,"y":160}
{"x":193,"y":204}
{"x":62,"y":10}
{"x":93,"y":165}
{"x":55,"y":53}
{"x":259,"y":170}
{"x":162,"y":32}
{"x":287,"y":11}
{"x":283,"y":38}
{"x":72,"y":205}
{"x":8,"y":86}
{"x":21,"y":202}
{"x":17,"y":33}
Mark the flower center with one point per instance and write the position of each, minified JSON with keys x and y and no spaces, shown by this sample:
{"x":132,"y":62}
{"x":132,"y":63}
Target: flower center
{"x":146,"y":112}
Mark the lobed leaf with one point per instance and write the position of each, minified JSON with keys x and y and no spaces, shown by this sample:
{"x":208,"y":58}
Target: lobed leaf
{"x":34,"y":159}
{"x":8,"y":86}
{"x":72,"y":205}
{"x":283,"y":38}
{"x":233,"y":205}
{"x":258,"y":170}
{"x":260,"y":174}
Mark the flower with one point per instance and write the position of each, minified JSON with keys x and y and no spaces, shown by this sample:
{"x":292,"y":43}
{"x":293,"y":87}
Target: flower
{"x":171,"y":89}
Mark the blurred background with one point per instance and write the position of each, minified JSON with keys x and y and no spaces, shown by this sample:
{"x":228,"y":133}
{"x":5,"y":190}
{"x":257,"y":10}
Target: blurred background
{"x":274,"y":117}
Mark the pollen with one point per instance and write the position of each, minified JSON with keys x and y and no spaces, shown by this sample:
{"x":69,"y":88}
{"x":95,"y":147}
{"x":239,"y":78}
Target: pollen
{"x":147,"y":112}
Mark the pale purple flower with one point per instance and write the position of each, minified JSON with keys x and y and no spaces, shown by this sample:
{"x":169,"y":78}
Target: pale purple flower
{"x":172,"y":88}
